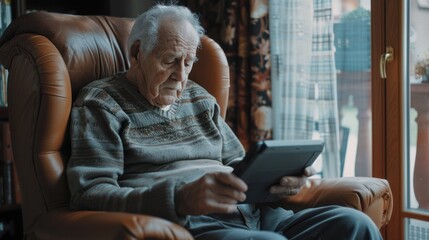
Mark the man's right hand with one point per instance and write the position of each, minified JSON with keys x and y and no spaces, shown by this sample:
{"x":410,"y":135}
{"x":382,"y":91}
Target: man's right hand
{"x":216,"y":192}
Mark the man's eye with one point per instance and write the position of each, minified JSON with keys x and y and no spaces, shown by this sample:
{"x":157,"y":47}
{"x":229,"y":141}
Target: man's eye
{"x":169,"y":62}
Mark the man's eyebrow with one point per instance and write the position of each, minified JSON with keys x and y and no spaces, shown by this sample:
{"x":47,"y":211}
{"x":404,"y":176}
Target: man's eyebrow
{"x":176,"y":55}
{"x":169,"y":55}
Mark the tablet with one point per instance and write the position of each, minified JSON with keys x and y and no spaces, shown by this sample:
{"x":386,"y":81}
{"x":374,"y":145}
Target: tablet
{"x":266,"y":162}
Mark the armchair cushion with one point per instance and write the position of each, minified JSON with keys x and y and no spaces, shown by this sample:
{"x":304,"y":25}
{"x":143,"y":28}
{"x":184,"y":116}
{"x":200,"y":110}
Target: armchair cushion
{"x":369,"y":195}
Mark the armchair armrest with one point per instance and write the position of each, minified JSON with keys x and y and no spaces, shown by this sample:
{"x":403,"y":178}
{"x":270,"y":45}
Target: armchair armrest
{"x":67,"y":224}
{"x":372,"y":196}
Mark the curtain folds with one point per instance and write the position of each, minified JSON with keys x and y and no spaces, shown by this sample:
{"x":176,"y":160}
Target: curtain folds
{"x":241,"y":28}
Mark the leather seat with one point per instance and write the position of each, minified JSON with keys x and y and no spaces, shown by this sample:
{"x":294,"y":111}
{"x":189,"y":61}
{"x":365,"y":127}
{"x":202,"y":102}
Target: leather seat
{"x":50,"y":57}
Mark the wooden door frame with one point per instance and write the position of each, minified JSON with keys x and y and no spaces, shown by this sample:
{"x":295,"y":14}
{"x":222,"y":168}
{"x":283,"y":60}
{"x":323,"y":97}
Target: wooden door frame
{"x":391,"y":164}
{"x":394,"y":115}
{"x":378,"y":92}
{"x":387,"y":96}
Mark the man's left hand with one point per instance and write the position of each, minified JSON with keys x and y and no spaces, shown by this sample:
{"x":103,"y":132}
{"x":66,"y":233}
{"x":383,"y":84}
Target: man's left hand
{"x":291,"y":185}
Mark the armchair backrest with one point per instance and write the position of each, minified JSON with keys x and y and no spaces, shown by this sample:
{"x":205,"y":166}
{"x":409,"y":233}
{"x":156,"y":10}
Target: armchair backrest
{"x":50,"y":57}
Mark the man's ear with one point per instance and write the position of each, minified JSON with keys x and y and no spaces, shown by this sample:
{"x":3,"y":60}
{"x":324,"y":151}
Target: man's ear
{"x":134,"y":53}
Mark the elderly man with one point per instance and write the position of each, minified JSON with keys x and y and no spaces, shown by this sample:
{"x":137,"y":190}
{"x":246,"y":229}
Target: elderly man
{"x":151,"y":141}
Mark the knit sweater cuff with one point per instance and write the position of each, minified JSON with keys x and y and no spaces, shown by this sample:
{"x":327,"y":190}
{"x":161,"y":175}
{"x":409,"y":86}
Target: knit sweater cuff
{"x":163,"y":196}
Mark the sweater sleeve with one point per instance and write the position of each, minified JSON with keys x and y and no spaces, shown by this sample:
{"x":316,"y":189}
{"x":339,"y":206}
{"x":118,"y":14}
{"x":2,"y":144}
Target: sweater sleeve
{"x":97,"y":162}
{"x":232,"y":149}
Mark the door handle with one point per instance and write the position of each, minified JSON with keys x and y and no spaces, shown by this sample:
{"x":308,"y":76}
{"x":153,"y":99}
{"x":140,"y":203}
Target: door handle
{"x":385,"y":57}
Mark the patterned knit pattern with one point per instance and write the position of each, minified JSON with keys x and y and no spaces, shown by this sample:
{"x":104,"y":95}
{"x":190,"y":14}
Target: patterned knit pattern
{"x":130,"y":156}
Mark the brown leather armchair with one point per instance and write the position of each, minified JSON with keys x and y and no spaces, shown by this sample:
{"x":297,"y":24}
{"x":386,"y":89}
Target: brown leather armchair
{"x":50,"y":57}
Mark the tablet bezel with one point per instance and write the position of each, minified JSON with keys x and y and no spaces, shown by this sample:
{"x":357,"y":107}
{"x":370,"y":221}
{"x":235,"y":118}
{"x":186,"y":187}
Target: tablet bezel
{"x":274,"y":153}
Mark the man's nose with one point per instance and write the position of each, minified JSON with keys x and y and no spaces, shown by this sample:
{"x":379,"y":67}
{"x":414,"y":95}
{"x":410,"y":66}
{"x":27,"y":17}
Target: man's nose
{"x":180,"y":73}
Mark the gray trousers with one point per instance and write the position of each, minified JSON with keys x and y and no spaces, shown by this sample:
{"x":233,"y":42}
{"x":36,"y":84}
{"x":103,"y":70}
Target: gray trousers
{"x":265,"y":223}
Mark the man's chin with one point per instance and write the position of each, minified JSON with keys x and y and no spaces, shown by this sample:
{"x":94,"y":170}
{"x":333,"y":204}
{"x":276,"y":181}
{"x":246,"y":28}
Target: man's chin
{"x":165,"y":101}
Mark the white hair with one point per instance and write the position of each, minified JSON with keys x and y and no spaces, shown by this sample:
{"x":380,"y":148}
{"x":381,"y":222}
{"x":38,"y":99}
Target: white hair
{"x":146,"y":25}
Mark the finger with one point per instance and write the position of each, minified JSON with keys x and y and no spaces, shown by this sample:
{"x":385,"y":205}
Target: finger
{"x":231,"y":180}
{"x":214,"y":206}
{"x":277,"y":189}
{"x":229,"y":192}
{"x":222,"y":199}
{"x":310,"y":171}
{"x":213,"y":188}
{"x":198,"y":197}
{"x":293,"y":181}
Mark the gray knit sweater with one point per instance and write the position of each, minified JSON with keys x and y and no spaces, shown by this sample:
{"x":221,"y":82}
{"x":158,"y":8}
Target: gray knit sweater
{"x":130,"y":156}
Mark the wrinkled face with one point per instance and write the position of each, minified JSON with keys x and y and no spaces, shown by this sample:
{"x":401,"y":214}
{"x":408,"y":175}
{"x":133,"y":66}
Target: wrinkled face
{"x":161,"y":76}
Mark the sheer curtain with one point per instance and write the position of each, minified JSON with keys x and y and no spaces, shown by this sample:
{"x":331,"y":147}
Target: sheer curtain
{"x":304,"y":85}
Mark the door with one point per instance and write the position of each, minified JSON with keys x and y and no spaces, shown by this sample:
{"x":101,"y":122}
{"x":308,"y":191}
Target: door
{"x":407,"y":117}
